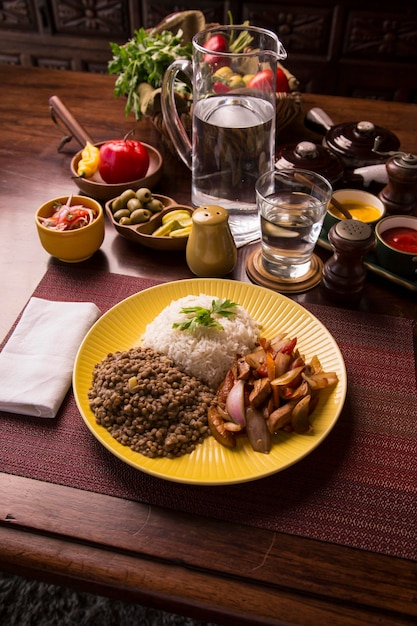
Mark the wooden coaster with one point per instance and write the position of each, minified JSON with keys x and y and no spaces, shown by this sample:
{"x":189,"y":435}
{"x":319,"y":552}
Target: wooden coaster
{"x":256,"y":272}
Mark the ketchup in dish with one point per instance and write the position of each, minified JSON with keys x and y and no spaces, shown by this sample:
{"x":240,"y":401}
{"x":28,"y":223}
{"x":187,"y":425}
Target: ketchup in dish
{"x":401,"y":238}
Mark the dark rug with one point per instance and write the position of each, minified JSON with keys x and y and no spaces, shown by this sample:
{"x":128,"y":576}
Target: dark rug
{"x":29,"y":603}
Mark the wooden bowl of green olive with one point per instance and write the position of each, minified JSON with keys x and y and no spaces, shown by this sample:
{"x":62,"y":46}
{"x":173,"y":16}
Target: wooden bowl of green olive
{"x":138,"y":214}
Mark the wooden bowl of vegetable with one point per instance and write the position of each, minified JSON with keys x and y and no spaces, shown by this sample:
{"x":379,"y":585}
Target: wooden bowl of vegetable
{"x":104,"y":170}
{"x":159,"y":223}
{"x":70,"y":228}
{"x":96,"y":187}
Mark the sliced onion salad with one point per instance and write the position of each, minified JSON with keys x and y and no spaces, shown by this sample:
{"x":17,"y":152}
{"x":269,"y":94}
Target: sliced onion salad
{"x":67,"y":217}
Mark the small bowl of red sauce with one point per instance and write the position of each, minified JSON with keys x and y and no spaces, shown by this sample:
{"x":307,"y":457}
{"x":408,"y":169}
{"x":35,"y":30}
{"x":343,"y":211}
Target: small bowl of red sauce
{"x":396,"y":248}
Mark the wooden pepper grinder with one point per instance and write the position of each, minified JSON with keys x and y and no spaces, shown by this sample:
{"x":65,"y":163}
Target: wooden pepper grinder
{"x":344,"y":273}
{"x":400,"y":194}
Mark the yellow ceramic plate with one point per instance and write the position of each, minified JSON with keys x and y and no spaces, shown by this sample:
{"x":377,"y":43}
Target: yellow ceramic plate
{"x":211,"y":463}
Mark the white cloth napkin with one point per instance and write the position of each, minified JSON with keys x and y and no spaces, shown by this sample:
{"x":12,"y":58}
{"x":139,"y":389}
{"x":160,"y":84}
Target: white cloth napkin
{"x":36,"y":363}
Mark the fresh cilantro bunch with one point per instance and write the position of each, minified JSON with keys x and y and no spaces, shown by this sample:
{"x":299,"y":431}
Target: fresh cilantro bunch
{"x":144,"y":59}
{"x":199,"y":316}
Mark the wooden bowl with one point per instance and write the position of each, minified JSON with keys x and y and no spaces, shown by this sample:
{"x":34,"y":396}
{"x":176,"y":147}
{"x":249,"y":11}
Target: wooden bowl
{"x":98,"y":189}
{"x":142,"y":233}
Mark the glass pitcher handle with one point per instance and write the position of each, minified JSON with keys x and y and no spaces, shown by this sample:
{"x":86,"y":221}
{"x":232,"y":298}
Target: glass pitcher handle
{"x":170,"y":115}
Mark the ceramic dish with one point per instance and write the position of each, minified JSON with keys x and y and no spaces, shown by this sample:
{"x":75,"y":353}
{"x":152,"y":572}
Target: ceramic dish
{"x":76,"y":245}
{"x":350,"y":197}
{"x":97,"y":188}
{"x":142,"y":233}
{"x":211,"y":463}
{"x":371,"y":262}
{"x":399,"y":255}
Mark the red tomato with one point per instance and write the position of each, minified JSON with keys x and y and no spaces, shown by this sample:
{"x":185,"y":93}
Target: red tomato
{"x":282,"y":81}
{"x":219,"y":87}
{"x":123,"y":160}
{"x":216,"y":43}
{"x":263,"y":80}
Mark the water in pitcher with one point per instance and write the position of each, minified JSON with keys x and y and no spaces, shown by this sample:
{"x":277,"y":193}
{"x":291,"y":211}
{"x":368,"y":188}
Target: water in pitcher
{"x":233,"y":143}
{"x":291,"y":224}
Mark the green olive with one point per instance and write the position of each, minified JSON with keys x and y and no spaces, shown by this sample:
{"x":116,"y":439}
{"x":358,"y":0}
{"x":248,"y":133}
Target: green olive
{"x":125,"y":221}
{"x":125,"y":196}
{"x":121,"y":213}
{"x":155,"y":205}
{"x":140,"y":215}
{"x":144,"y":195}
{"x":134,"y":204}
{"x":116,"y":205}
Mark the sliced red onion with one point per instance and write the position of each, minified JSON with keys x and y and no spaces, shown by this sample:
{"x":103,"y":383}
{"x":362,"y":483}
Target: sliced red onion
{"x":235,"y":403}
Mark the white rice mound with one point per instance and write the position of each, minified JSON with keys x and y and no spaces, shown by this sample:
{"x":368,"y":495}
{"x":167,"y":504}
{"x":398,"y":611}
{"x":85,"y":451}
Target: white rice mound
{"x":208,"y":352}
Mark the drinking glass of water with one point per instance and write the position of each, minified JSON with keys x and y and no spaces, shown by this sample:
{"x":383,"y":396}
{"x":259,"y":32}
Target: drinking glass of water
{"x":291,"y":205}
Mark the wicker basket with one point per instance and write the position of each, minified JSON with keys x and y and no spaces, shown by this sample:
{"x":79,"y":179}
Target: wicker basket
{"x":289,"y":106}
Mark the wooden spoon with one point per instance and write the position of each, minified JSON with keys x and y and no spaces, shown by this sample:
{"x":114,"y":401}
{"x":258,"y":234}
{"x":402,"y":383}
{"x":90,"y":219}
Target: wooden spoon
{"x":341,"y":208}
{"x":337,"y":205}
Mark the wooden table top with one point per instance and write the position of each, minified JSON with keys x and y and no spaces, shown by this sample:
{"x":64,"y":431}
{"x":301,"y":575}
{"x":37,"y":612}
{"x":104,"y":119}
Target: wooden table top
{"x":185,"y":564}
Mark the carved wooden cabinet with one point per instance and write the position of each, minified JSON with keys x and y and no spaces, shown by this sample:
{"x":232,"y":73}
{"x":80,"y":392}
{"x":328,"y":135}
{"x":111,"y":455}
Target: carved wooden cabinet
{"x":75,"y":34}
{"x":363,"y":48}
{"x":64,"y":34}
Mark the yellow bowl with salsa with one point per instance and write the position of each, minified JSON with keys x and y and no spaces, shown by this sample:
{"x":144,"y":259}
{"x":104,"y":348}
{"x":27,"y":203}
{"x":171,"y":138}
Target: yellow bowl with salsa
{"x":70,"y":228}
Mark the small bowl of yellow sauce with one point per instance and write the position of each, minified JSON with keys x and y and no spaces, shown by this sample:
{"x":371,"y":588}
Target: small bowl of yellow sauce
{"x":362,"y":205}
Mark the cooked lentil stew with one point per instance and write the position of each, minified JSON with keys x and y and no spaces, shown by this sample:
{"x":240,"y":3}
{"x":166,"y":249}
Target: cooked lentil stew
{"x":148,"y":404}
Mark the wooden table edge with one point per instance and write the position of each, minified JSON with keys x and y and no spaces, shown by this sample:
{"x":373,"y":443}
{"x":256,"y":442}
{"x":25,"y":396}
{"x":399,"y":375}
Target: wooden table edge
{"x":132,"y":561}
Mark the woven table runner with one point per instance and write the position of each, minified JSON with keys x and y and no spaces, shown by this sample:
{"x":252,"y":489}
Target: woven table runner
{"x":358,"y":488}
